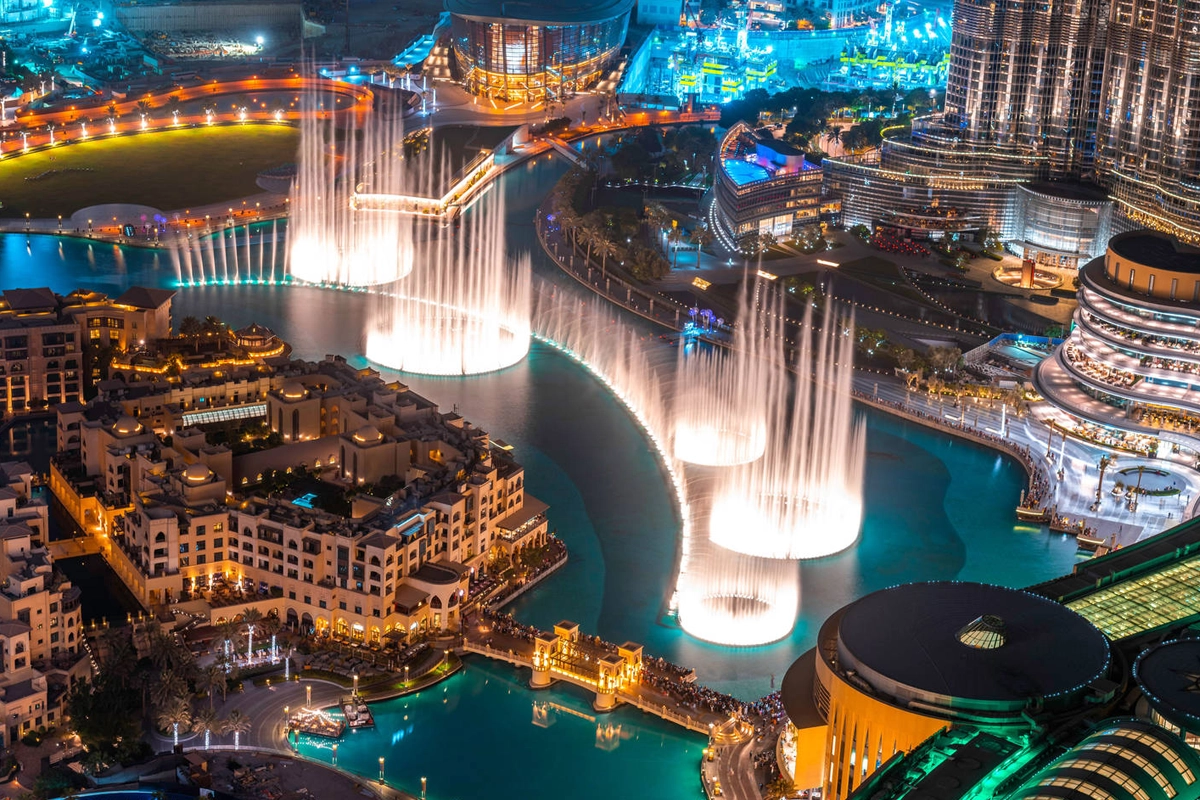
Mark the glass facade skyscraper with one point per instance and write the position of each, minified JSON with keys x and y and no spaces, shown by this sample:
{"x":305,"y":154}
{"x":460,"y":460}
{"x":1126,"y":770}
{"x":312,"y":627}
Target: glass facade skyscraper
{"x":1105,"y":92}
{"x":1148,"y":147}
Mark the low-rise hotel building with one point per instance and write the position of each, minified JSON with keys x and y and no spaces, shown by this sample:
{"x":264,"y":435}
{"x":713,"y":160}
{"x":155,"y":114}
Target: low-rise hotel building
{"x":41,"y":637}
{"x":1131,"y":364}
{"x":349,"y":505}
{"x":48,"y":340}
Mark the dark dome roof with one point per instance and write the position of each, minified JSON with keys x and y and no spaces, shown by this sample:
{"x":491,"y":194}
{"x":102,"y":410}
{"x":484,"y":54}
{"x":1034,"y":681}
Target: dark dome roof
{"x":908,"y":642}
{"x":1158,"y":250}
{"x":1169,"y":675}
{"x":560,"y":12}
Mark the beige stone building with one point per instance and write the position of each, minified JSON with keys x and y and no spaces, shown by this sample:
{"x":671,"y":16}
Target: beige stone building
{"x":365,"y":512}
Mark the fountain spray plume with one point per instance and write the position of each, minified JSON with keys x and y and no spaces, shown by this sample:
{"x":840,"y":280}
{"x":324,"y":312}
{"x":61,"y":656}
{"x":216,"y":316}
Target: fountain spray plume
{"x":231,"y":254}
{"x":466,"y":307}
{"x":803,"y":498}
{"x":736,"y":599}
{"x":630,"y":364}
{"x":721,"y":395}
{"x":332,"y":237}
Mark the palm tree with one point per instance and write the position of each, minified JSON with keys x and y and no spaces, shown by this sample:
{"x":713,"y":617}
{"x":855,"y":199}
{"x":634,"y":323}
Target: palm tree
{"x":205,"y":721}
{"x":214,"y":327}
{"x":144,"y":106}
{"x":592,"y":233}
{"x":177,"y":713}
{"x":568,"y":221}
{"x":270,"y":626}
{"x":190,"y":327}
{"x":1105,"y":462}
{"x":112,"y":109}
{"x":675,"y":236}
{"x":250,"y":618}
{"x":170,"y":687}
{"x":701,"y":237}
{"x":236,"y":723}
{"x":604,"y":248}
{"x":211,"y":679}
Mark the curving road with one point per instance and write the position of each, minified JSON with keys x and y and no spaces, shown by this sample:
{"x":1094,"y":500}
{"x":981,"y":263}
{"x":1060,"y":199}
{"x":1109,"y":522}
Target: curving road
{"x":362,"y":97}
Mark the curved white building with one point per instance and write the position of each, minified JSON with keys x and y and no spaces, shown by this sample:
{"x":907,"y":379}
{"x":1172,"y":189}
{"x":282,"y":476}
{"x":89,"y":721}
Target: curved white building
{"x":1132,"y":361}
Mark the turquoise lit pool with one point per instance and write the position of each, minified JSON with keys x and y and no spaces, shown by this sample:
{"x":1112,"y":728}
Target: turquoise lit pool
{"x":553,"y":743}
{"x":744,"y":172}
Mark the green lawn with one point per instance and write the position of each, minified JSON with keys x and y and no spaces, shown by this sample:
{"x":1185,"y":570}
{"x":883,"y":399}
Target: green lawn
{"x":169,"y":170}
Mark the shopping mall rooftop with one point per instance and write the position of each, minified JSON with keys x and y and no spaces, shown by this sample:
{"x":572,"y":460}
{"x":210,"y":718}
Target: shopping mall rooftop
{"x":1169,"y":677}
{"x":969,"y":645}
{"x":1145,"y":588}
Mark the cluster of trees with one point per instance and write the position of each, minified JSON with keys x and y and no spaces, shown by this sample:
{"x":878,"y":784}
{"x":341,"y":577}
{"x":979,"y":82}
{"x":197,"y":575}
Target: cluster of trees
{"x":669,"y":156}
{"x":810,"y":239}
{"x":165,"y":686}
{"x":939,"y":363}
{"x":210,"y":328}
{"x":814,"y":108}
{"x":605,"y":234}
{"x":752,"y":244}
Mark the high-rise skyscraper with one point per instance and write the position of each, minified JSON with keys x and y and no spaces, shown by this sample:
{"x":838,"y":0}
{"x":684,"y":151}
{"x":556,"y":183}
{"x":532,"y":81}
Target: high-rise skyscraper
{"x":1025,"y":76}
{"x":1148,"y":143}
{"x":1041,"y":94}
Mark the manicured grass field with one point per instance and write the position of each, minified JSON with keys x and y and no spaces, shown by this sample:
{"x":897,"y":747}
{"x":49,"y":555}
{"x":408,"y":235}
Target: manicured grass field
{"x":169,"y":170}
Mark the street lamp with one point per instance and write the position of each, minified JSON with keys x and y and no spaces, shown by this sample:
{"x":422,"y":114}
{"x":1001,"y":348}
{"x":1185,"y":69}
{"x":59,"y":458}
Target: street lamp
{"x":381,"y":770}
{"x":308,"y":695}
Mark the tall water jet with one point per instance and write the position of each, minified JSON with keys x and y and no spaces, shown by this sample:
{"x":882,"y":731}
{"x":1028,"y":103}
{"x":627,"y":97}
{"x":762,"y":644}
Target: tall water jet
{"x":332,"y":238}
{"x":803,"y":498}
{"x":463,"y":311}
{"x":721,"y":395}
{"x":230,"y":254}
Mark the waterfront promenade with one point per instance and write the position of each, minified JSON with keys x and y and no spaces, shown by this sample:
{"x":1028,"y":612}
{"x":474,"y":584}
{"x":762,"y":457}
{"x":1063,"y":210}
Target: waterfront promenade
{"x":1023,"y":437}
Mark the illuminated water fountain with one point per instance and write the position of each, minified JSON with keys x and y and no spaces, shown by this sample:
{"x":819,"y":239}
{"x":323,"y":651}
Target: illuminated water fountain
{"x":721,"y":596}
{"x":803,"y":498}
{"x":332,"y":239}
{"x":233,"y":254}
{"x":720,"y":404}
{"x":464,"y":310}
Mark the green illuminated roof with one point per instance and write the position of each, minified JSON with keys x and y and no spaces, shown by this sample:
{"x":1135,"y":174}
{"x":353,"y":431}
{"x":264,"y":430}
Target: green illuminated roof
{"x":1139,"y":604}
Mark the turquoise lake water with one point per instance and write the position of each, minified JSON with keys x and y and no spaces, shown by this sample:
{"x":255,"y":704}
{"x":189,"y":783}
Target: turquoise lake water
{"x":937,"y":508}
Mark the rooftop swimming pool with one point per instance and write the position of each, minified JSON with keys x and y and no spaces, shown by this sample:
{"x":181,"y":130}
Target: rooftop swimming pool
{"x":744,"y":172}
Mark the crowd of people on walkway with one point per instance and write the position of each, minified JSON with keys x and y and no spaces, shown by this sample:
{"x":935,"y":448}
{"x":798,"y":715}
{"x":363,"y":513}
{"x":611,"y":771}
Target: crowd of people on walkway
{"x":505,"y":625}
{"x":693,"y":695}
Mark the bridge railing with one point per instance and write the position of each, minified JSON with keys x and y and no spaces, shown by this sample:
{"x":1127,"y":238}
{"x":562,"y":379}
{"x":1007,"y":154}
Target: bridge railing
{"x":510,"y":656}
{"x":665,"y":711}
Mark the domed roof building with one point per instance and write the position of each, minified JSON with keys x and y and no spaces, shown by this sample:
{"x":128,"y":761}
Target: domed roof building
{"x":126,"y":426}
{"x":368,"y":435}
{"x":197,"y":473}
{"x":530,"y":52}
{"x":895,"y":667}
